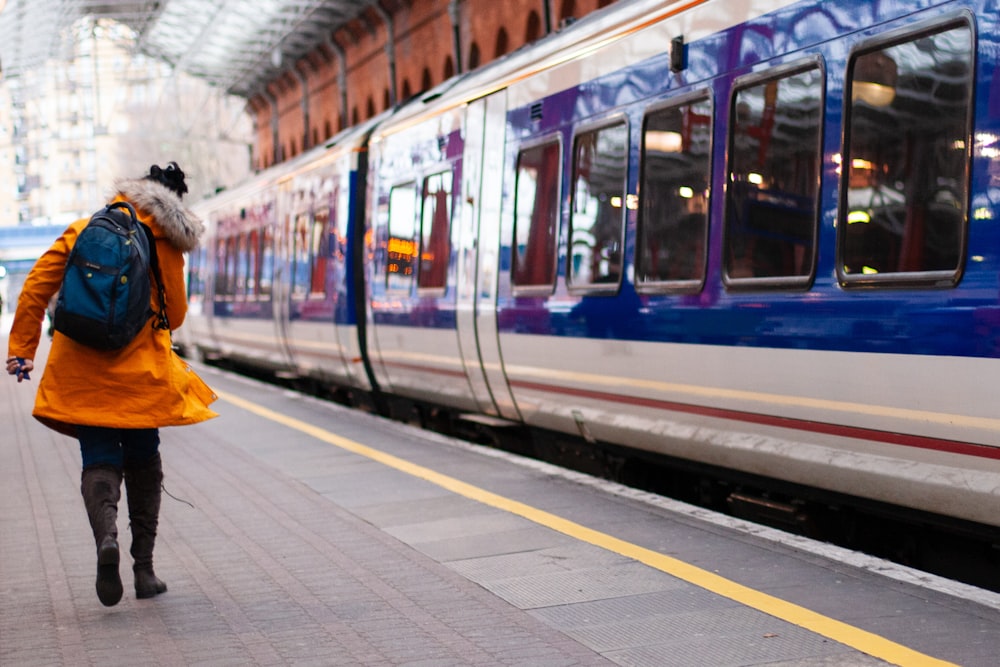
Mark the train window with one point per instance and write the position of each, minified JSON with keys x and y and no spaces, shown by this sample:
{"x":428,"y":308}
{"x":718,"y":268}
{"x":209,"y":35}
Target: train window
{"x":253,"y":264}
{"x":220,"y":268}
{"x":339,"y":216}
{"x":301,"y":255}
{"x":402,"y":242}
{"x":242,"y":264}
{"x":197,"y":270}
{"x":435,"y":232}
{"x":231,"y":267}
{"x":597,"y":218}
{"x":319,"y":250}
{"x":673,"y":196}
{"x":536,"y":217}
{"x":904,"y":198}
{"x":267,"y":262}
{"x":773,"y":178}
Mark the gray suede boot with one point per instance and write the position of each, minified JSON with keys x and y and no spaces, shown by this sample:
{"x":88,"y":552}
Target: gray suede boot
{"x":100,"y":486}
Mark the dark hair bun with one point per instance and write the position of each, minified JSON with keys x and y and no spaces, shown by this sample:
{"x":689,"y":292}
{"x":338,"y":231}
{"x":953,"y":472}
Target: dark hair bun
{"x":171,"y":176}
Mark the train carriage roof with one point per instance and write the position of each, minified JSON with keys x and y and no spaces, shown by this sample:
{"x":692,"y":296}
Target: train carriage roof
{"x":593,"y":32}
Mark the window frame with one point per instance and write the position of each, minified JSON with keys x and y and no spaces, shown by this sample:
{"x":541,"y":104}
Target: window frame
{"x":220,"y":263}
{"x":319,"y":251}
{"x":196,"y":271}
{"x":441,"y":170}
{"x":548,"y":288}
{"x":300,"y":238}
{"x":939,"y":279}
{"x":268,"y":258}
{"x":754,"y":79}
{"x":242,"y":264}
{"x":596,"y":288}
{"x":683,"y":285}
{"x":391,"y":285}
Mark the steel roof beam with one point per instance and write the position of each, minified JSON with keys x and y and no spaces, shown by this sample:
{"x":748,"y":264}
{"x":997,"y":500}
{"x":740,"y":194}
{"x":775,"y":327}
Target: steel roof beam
{"x":230,"y":43}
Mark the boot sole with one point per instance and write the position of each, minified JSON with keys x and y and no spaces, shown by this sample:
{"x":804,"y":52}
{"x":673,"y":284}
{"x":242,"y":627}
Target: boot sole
{"x":149,"y":593}
{"x":109,"y":582}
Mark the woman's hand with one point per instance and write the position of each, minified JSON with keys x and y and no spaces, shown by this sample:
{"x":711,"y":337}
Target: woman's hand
{"x":20,"y":367}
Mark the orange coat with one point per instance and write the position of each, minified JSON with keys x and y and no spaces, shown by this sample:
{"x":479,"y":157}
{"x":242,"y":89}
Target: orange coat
{"x":143,"y":385}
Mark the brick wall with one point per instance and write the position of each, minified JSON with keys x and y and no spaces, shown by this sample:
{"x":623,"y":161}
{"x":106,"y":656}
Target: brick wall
{"x":423,"y":46}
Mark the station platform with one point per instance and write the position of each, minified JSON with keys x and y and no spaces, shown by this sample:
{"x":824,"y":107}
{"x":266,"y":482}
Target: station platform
{"x":298,"y":532}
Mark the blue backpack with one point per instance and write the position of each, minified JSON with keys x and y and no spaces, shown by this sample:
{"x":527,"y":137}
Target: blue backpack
{"x":104,"y":298}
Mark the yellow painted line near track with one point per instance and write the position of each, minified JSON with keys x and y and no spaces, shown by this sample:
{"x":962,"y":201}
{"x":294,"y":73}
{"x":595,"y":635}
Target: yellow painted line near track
{"x":846,"y":634}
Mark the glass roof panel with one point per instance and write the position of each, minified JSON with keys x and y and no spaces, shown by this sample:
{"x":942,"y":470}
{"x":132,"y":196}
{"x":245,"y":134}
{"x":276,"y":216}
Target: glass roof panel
{"x":233,"y":44}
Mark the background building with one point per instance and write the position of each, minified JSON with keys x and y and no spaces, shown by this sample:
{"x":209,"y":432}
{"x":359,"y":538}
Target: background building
{"x":99,"y":88}
{"x":92,"y":90}
{"x":97,"y":110}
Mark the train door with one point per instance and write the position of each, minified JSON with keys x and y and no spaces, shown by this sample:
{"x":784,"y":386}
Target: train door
{"x":479,"y":255}
{"x":344,"y":199}
{"x":198,"y":325}
{"x":282,"y":294}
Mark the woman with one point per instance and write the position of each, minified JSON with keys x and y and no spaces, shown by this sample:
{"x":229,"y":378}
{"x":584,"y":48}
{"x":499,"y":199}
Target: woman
{"x":114,"y":402}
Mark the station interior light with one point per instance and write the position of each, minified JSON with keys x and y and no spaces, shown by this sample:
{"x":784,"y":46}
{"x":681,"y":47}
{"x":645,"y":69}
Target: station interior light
{"x":875,"y":78}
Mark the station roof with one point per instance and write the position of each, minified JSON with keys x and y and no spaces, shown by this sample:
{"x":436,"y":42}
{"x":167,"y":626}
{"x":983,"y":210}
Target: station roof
{"x":233,"y":44}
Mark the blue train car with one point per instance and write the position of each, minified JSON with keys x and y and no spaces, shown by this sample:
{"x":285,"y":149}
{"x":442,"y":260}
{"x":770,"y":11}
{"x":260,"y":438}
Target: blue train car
{"x":277,"y":282}
{"x":755,"y":235}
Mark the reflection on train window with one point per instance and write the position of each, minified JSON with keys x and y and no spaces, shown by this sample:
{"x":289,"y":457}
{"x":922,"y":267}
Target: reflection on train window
{"x":903,"y":209}
{"x":243,"y":256}
{"x":339,"y":215}
{"x":242,"y":264}
{"x":197,"y":270}
{"x":673,"y":213}
{"x":301,"y":245}
{"x":773,"y":180}
{"x":402,"y":243}
{"x":600,"y":164}
{"x":253,"y":263}
{"x":267,"y":262}
{"x":229,"y":253}
{"x":536,"y":216}
{"x":219,"y":288}
{"x":219,"y":252}
{"x":319,"y":250}
{"x":435,"y":231}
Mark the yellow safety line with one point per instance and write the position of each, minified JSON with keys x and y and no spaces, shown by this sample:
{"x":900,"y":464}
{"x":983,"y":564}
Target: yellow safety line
{"x":838,"y":631}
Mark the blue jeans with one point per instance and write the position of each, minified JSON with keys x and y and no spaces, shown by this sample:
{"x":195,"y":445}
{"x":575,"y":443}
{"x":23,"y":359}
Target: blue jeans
{"x":118,"y":447}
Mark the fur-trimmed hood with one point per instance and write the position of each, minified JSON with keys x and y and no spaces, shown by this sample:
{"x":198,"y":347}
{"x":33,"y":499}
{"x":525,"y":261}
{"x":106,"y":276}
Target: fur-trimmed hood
{"x":180,"y":226}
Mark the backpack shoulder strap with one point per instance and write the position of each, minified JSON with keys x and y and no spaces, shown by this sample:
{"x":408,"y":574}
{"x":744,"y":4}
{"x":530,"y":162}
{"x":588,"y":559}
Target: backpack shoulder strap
{"x":154,"y":262}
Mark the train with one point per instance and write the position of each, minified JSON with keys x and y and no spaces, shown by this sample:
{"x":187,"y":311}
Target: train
{"x":758,"y":236}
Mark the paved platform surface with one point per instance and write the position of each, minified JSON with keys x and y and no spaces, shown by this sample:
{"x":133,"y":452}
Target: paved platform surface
{"x":317,"y":535}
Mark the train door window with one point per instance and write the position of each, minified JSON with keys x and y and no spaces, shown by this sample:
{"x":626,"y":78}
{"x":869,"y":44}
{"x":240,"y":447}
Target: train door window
{"x":220,"y":267}
{"x":339,"y":214}
{"x":196,"y":273}
{"x":253,"y":264}
{"x":320,"y":252}
{"x":435,"y":232}
{"x":597,"y":218}
{"x":536,"y":218}
{"x":905,"y":194}
{"x":402,"y":243}
{"x":773,"y":178}
{"x":242,"y":264}
{"x":266,"y":262}
{"x":301,"y":245}
{"x":673,"y":196}
{"x":229,"y":270}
